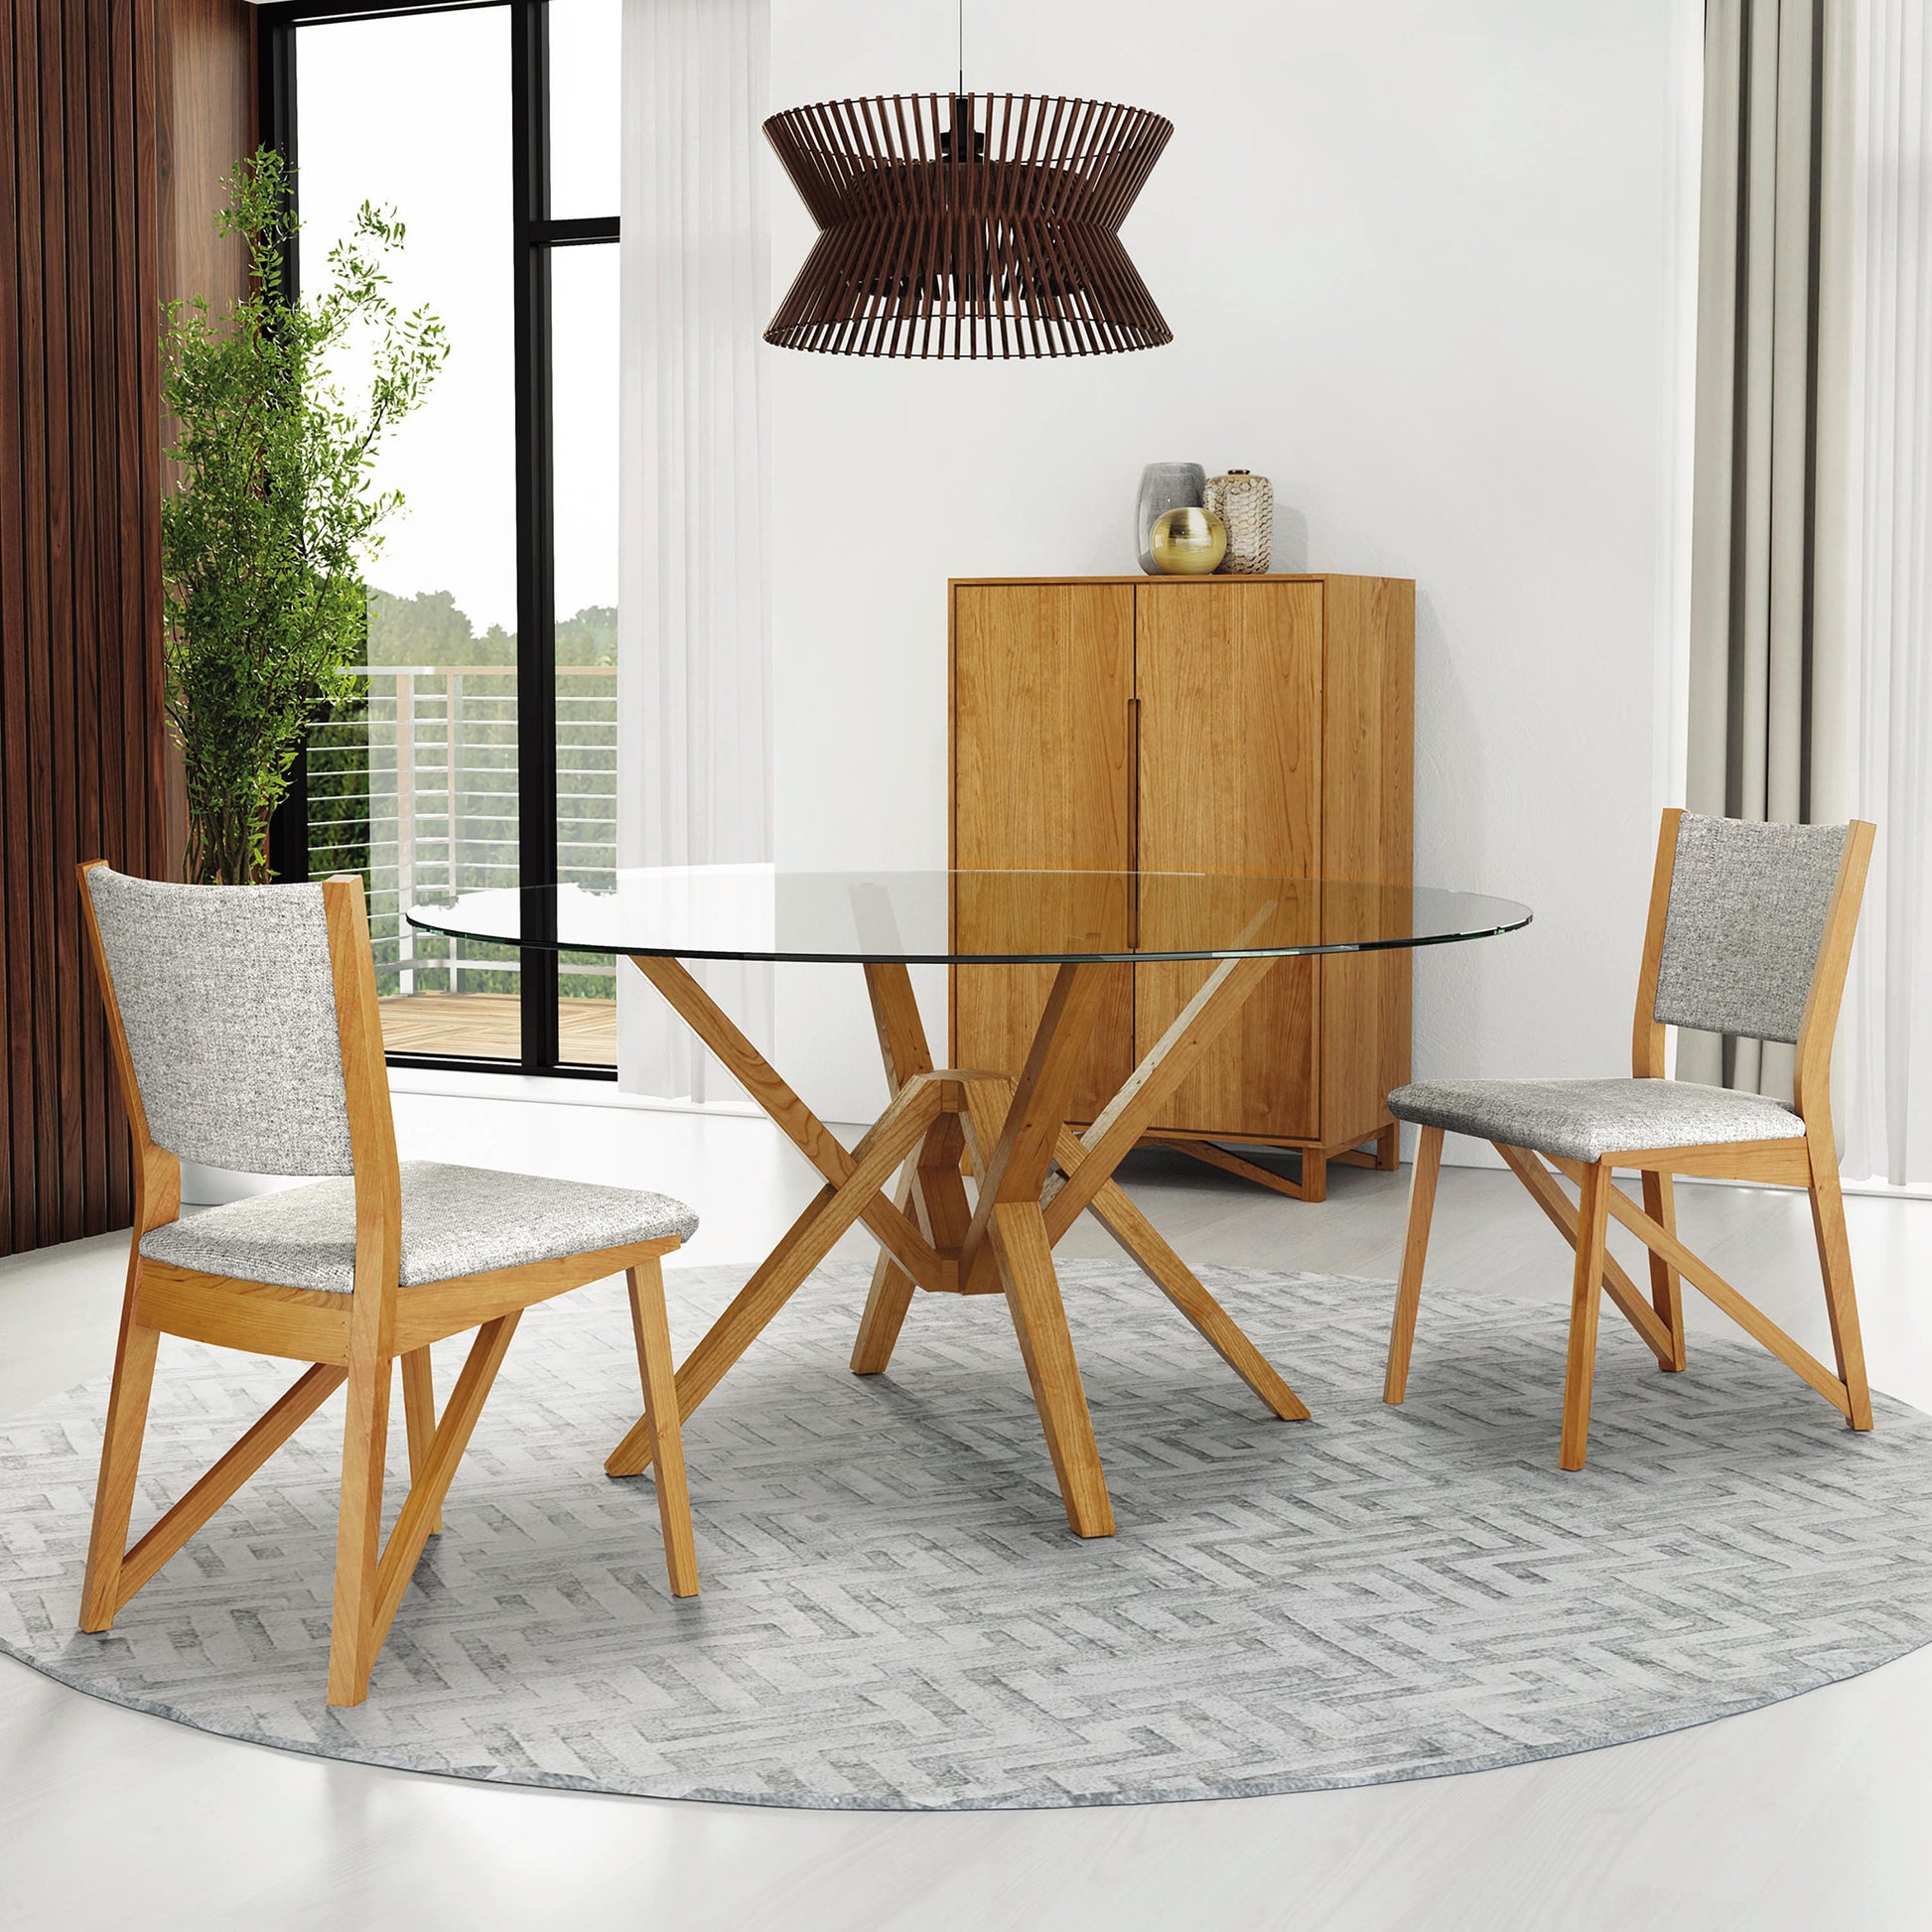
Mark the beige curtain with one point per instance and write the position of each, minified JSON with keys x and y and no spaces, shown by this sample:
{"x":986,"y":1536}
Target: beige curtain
{"x":1772,"y":75}
{"x":1811,"y":687}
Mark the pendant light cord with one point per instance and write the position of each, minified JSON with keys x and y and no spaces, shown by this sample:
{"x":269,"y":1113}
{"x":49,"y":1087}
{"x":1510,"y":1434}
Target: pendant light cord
{"x":962,"y":46}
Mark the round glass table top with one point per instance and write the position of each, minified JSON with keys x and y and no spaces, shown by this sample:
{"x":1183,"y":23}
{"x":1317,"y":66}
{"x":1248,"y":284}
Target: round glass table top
{"x":965,"y":918}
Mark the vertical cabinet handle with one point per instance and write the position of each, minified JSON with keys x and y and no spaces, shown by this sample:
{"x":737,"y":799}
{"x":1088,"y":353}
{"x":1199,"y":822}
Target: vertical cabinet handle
{"x":1134,"y":820}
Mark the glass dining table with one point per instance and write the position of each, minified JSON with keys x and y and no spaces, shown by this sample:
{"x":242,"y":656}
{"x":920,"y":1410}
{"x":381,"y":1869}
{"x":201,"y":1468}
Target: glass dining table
{"x":1008,"y":1129}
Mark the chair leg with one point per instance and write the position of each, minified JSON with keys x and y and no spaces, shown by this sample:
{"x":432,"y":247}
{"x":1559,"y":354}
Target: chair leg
{"x":419,"y":1417}
{"x":1666,"y":1288}
{"x":404,"y":1548}
{"x":1408,"y":1298}
{"x":121,"y":1462}
{"x":358,"y":1532}
{"x":656,"y":1371}
{"x":1841,"y":1302}
{"x":1585,"y":1299}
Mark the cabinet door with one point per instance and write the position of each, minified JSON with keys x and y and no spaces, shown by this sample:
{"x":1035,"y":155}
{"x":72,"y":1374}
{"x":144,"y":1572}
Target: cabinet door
{"x":1229,"y":682}
{"x":1042,"y":678}
{"x":1367,"y":820}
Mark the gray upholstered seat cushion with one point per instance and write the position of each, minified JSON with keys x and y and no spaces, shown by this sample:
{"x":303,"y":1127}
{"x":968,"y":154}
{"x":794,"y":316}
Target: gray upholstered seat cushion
{"x":455,"y":1222}
{"x":1584,"y":1120}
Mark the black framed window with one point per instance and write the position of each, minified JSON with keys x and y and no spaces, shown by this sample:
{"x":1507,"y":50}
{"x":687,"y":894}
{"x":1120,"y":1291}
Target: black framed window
{"x":485,"y":753}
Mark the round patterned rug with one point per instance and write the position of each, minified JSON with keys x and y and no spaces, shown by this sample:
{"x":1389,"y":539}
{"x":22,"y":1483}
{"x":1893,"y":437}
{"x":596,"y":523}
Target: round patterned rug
{"x":895,"y":1617}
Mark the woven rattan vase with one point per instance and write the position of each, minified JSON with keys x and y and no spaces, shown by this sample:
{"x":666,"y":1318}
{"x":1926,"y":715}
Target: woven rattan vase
{"x":1246,"y":505}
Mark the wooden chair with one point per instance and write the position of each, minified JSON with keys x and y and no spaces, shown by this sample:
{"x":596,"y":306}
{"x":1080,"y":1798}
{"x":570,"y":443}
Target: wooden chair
{"x":1751,"y":932}
{"x":246,"y":1030}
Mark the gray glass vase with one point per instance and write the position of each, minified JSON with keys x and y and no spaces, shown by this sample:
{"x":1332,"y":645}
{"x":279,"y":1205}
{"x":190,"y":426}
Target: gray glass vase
{"x":1165,"y":487}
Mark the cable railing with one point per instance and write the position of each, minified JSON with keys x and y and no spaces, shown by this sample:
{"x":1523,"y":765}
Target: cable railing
{"x":417,"y":789}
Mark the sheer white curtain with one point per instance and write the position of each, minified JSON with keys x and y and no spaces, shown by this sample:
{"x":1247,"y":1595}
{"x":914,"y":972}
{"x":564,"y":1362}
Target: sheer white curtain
{"x":1871,"y":726}
{"x":694,"y":660}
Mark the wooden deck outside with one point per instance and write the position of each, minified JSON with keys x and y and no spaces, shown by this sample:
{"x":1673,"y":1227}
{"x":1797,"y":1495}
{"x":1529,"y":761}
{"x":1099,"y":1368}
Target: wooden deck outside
{"x":488,"y":1026}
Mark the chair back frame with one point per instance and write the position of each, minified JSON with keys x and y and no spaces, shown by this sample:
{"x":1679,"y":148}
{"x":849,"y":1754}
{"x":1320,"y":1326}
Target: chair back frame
{"x":372,"y":1122}
{"x":157,"y":1173}
{"x":372,"y":1135}
{"x":1811,"y":1066}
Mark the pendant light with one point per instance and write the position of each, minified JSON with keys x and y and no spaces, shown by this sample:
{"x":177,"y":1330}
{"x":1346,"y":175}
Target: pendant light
{"x":968,"y":225}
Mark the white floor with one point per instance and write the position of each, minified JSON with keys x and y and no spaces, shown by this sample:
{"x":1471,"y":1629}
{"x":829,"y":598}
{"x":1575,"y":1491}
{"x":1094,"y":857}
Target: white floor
{"x":1810,"y":1814}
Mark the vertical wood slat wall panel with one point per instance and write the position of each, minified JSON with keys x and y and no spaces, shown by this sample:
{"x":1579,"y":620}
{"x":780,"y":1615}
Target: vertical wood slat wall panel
{"x":95,"y":694}
{"x":27,"y":725}
{"x":96,"y":99}
{"x":15,"y":1160}
{"x":70,"y":384}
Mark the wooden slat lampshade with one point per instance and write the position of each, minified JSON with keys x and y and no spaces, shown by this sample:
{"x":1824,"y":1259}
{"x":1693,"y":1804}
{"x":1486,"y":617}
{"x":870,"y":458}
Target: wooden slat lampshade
{"x":968,"y":225}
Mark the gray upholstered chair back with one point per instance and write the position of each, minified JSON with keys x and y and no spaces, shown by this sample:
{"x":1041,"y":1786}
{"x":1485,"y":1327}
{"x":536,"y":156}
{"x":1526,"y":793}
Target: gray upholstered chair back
{"x":228,"y":1003}
{"x":1746,"y":919}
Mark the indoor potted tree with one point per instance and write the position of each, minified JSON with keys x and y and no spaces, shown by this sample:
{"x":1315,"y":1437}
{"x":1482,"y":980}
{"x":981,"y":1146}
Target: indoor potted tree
{"x":275,"y":514}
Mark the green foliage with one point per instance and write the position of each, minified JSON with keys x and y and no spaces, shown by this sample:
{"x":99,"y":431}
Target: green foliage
{"x":276,"y":517}
{"x":428,"y":628}
{"x":590,"y":637}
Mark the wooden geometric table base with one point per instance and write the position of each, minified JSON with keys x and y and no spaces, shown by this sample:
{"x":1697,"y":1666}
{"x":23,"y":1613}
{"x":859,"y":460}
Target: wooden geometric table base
{"x":1035,"y":1174}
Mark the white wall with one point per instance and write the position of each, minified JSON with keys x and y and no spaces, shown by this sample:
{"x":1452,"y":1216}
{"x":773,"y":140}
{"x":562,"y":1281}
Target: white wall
{"x":1419,"y":261}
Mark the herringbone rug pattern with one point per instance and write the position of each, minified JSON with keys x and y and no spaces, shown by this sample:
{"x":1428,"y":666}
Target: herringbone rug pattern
{"x":895,"y":1617}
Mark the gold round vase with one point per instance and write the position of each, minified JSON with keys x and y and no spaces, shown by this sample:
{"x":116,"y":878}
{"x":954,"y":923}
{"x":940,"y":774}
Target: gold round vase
{"x":1187,"y":543}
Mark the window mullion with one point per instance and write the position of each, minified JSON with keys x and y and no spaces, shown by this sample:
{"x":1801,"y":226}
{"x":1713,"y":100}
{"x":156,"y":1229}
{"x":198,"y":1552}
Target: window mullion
{"x":536,"y":624}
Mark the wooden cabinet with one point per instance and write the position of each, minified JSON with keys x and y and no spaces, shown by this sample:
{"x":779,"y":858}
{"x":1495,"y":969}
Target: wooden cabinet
{"x":1218,"y":725}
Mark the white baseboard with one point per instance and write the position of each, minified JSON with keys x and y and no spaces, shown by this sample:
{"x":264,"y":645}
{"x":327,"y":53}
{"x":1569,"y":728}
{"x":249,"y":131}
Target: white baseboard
{"x":553,"y":1092}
